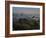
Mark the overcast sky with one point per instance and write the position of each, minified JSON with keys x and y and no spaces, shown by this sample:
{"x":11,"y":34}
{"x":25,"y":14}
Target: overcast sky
{"x":26,"y":10}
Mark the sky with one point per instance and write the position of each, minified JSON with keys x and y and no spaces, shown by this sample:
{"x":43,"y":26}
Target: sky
{"x":25,"y":10}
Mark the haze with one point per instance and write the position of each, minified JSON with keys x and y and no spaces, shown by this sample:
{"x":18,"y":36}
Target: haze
{"x":25,"y":10}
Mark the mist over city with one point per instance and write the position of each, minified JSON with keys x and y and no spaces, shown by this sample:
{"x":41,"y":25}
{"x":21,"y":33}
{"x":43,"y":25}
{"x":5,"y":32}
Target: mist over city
{"x":26,"y":18}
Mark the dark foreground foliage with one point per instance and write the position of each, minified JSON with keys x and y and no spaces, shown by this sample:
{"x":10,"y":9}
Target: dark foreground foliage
{"x":24,"y":24}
